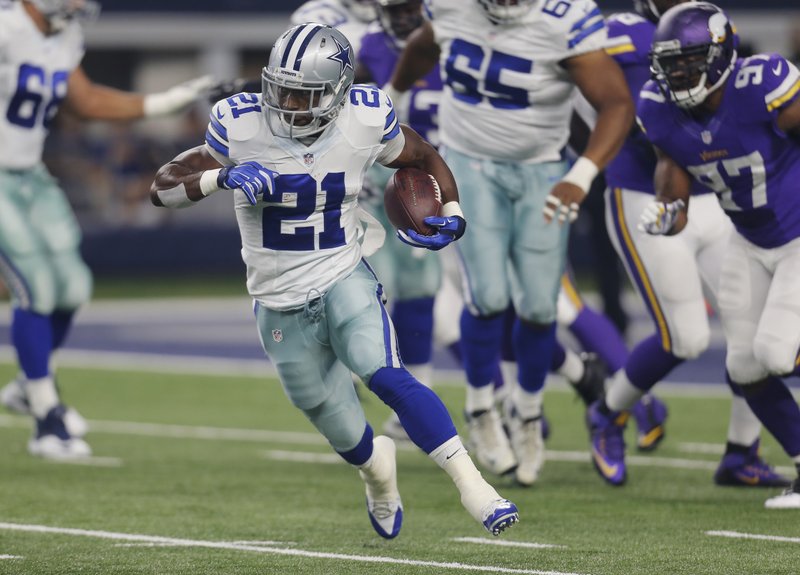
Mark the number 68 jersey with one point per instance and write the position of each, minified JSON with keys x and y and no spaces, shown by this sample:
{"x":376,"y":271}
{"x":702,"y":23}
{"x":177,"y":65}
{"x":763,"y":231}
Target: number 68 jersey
{"x":303,"y":236}
{"x":34,"y":71}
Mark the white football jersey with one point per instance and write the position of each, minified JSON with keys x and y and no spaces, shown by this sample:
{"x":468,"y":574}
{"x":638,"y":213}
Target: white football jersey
{"x":506,"y":96}
{"x":334,"y":14}
{"x":304,"y":236}
{"x":34,"y":71}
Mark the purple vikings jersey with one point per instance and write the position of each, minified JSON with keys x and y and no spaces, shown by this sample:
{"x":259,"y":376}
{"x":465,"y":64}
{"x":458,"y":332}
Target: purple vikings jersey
{"x":629,"y":40}
{"x":739,"y":152}
{"x":379,"y":56}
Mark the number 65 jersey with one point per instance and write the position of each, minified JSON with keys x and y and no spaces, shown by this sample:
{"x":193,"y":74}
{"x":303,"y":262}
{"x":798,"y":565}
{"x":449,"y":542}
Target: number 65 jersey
{"x":34,"y":71}
{"x":301,"y":238}
{"x":506,"y":95}
{"x":739,"y":152}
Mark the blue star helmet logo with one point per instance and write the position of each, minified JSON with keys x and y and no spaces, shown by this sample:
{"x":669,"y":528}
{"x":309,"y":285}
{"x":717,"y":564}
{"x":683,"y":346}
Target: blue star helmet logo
{"x":342,"y":56}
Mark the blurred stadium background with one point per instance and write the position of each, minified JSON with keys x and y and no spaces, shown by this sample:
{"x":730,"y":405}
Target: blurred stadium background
{"x":148,"y":45}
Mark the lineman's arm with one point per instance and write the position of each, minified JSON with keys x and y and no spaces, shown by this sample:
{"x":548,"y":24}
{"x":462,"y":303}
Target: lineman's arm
{"x":92,"y":101}
{"x":789,"y":119}
{"x":602,"y":83}
{"x":418,"y":58}
{"x":667,"y":215}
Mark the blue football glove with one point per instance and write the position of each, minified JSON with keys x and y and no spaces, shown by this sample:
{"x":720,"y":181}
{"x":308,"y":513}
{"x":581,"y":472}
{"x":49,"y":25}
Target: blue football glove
{"x":251,"y":177}
{"x":450,"y":228}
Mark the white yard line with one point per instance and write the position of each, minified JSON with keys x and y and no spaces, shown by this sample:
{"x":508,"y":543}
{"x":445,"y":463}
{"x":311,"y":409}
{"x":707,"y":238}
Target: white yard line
{"x":737,"y":535}
{"x":504,"y":543}
{"x":309,"y":438}
{"x":133,"y":537}
{"x":708,"y":448}
{"x":11,"y":557}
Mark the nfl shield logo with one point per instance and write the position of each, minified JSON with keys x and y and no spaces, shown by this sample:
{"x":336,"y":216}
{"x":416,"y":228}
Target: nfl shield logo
{"x":308,"y":159}
{"x":277,"y":335}
{"x":706,"y":136}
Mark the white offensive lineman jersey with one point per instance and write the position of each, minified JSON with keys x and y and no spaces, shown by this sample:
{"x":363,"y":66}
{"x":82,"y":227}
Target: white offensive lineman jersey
{"x":506,"y":97}
{"x":34,"y":71}
{"x":334,"y":14}
{"x":304,"y":236}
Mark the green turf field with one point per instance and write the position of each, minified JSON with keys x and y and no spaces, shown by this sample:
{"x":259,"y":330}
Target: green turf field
{"x":195,"y":476}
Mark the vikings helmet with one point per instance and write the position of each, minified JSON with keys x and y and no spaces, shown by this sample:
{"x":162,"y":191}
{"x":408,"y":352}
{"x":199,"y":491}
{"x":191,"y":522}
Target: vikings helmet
{"x":505,"y":11}
{"x":399,"y":18}
{"x":305,"y":83}
{"x":59,"y":13}
{"x":694,"y":50}
{"x":364,"y":10}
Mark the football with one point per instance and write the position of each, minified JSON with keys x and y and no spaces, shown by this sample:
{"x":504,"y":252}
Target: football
{"x":411,"y":196}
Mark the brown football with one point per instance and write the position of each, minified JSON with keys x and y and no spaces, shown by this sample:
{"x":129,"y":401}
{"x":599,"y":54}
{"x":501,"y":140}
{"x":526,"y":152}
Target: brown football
{"x":411,"y":196}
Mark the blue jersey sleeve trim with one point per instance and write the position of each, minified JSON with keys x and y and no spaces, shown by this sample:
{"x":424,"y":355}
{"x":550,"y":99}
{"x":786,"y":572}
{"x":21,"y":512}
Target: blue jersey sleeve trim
{"x":596,"y":27}
{"x":583,"y":21}
{"x":216,"y":144}
{"x":390,"y":118}
{"x":221,"y":131}
{"x":392,"y":134}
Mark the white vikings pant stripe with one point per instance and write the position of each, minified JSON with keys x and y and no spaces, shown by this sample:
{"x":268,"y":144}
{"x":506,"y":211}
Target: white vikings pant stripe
{"x":636,"y":269}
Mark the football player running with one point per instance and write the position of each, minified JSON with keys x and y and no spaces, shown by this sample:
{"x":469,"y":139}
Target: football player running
{"x":297,"y":154}
{"x":410,"y":277}
{"x":732,"y":125}
{"x":674,"y":276}
{"x":41,"y":47}
{"x":510,"y":68}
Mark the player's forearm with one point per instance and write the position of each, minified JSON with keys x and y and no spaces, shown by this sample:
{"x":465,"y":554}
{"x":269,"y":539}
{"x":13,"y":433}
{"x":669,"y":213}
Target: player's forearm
{"x":672,"y":183}
{"x":418,"y":58}
{"x":176,"y":185}
{"x":614,"y":121}
{"x":103,"y":103}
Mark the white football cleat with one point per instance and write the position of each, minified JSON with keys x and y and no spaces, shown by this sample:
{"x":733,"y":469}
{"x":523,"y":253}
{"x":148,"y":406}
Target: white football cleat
{"x":384,"y":506}
{"x":13,"y":397}
{"x":789,"y":499}
{"x":489,"y":442}
{"x":499,"y":515}
{"x":51,"y":440}
{"x":527,"y":443}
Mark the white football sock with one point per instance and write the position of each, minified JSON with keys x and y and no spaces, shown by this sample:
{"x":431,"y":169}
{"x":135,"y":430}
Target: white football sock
{"x":528,"y":405}
{"x":621,"y":394}
{"x":572,"y":368}
{"x":479,"y":398}
{"x":42,"y":395}
{"x":743,"y":427}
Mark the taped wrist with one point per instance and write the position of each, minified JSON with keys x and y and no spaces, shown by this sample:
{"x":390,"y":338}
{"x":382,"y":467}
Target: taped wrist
{"x":582,"y":173}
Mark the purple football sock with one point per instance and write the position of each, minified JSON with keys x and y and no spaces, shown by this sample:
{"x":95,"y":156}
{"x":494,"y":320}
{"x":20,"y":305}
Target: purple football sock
{"x":32,"y":336}
{"x":534,"y":348}
{"x":776,"y":409}
{"x":596,"y":333}
{"x":648,"y":363}
{"x":480,"y":347}
{"x":413,"y":324}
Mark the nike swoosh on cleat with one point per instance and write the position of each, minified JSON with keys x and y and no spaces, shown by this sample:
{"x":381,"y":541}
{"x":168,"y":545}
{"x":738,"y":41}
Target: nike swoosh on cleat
{"x":605,"y":468}
{"x":748,"y":480}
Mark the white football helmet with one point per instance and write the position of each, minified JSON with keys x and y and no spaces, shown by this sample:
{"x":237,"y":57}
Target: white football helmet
{"x":59,"y":13}
{"x":505,"y":11}
{"x":307,"y":79}
{"x":364,"y":10}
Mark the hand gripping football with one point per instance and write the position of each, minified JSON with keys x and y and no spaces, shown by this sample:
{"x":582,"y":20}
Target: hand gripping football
{"x":411,"y":196}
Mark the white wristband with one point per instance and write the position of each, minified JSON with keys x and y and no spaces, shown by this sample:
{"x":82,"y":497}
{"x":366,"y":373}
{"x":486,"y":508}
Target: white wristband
{"x":451,"y":209}
{"x":208,"y":182}
{"x":582,"y":173}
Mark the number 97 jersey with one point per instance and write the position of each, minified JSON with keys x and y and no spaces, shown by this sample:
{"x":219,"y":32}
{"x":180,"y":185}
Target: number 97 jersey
{"x":301,"y":238}
{"x":34,"y":71}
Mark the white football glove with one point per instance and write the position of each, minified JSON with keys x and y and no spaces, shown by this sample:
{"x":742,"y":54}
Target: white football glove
{"x":176,"y":98}
{"x":659,"y":218}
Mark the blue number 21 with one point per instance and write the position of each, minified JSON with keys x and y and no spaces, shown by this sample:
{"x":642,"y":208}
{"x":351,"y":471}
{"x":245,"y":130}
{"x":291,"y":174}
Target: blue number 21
{"x":462,"y":75}
{"x":35,"y":89}
{"x":296,"y":195}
